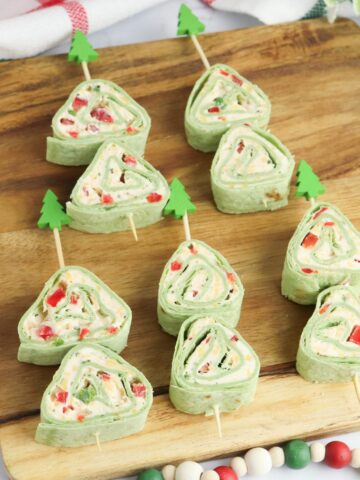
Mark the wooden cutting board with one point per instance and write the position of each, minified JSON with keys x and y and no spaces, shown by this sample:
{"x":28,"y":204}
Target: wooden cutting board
{"x":311,"y":71}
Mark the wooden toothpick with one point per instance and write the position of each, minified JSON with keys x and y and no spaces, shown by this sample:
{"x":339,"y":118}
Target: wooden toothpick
{"x":130,"y":217}
{"x":186,"y":226}
{"x":58,"y":246}
{"x":98,"y":441}
{"x":200,"y":51}
{"x":86,"y":71}
{"x":312,"y":201}
{"x":357,"y":385}
{"x":218,"y":420}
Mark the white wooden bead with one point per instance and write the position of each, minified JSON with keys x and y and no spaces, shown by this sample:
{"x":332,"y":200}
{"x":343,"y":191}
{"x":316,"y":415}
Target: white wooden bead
{"x":239,"y":466}
{"x":188,"y":471}
{"x":168,"y":472}
{"x":258,"y":461}
{"x":317,"y":452}
{"x":210,"y":475}
{"x":277,"y":456}
{"x":355,"y":458}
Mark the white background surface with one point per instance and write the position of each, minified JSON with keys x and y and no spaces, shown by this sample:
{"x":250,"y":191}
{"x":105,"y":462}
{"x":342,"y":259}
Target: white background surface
{"x":160,"y":23}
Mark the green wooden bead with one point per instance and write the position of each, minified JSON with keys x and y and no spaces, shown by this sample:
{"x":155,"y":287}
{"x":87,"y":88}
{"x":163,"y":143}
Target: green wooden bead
{"x":297,"y":454}
{"x":150,"y":474}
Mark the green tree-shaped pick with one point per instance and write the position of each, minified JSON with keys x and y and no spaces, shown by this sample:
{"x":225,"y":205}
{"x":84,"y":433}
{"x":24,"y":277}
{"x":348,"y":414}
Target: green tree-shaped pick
{"x":179,"y":202}
{"x":52,"y":213}
{"x":188,"y":23}
{"x":81,"y":49}
{"x":308,"y":184}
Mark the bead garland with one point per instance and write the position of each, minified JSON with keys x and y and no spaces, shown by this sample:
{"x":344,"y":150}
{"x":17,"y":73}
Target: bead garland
{"x":296,"y":454}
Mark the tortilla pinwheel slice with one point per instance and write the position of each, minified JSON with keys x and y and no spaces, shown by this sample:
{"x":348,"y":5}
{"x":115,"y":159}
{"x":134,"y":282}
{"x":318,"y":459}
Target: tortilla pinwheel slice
{"x":97,"y":110}
{"x":213,"y":366}
{"x":220,"y":99}
{"x":116,"y":184}
{"x":251,"y":171}
{"x":95,"y":396}
{"x":329,"y":349}
{"x":198,"y":280}
{"x":324,"y":251}
{"x":74,"y":307}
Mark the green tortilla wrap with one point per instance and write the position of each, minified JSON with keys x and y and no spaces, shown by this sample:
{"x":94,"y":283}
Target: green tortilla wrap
{"x":95,"y":396}
{"x":220,"y":99}
{"x":213,"y":366}
{"x":97,"y":110}
{"x":75,"y":306}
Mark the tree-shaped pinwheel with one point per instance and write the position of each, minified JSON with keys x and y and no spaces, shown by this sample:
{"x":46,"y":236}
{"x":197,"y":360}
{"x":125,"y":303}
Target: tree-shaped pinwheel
{"x":81,"y":51}
{"x":53,"y":217}
{"x":308,"y":184}
{"x":179,"y":205}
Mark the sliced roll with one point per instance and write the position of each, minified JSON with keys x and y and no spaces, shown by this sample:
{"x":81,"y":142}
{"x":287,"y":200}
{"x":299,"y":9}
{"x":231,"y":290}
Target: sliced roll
{"x":95,"y":396}
{"x":329,"y":349}
{"x":74,"y":307}
{"x":213,"y":366}
{"x":97,"y":110}
{"x":251,"y":171}
{"x":198,"y":280}
{"x":116,"y":184}
{"x":220,"y":99}
{"x":324,"y":251}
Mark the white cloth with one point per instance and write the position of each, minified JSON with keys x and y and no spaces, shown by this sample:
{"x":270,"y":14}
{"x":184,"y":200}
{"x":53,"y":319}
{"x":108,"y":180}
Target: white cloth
{"x":30,"y":33}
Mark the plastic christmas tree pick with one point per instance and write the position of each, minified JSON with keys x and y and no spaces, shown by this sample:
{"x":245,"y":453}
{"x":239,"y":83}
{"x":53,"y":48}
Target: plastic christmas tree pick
{"x":180,"y":204}
{"x":189,"y":24}
{"x":81,"y":51}
{"x":308,"y":184}
{"x":53,"y":217}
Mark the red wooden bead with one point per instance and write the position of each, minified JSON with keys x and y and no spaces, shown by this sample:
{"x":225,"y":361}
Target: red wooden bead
{"x":337,"y":454}
{"x":226,"y":473}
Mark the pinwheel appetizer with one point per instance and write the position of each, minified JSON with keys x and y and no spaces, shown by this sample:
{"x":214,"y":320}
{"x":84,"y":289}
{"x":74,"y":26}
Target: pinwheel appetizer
{"x":74,"y":306}
{"x":97,"y":110}
{"x":212,"y":366}
{"x":251,"y":171}
{"x":220,"y":99}
{"x":118,"y":182}
{"x":95,"y":396}
{"x":324,"y":251}
{"x":329,"y":349}
{"x":198,"y":280}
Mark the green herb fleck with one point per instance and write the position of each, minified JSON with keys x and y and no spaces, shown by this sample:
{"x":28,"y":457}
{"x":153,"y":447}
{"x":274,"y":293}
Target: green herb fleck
{"x":219,"y":102}
{"x":87,"y":395}
{"x":58,"y":342}
{"x":72,"y":112}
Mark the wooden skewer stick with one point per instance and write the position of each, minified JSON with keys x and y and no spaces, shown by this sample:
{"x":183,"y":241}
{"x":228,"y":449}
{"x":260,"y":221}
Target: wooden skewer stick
{"x":132,"y":225}
{"x":312,"y":201}
{"x":200,"y":51}
{"x":98,"y":441}
{"x":86,"y":71}
{"x":59,"y":248}
{"x":357,"y":385}
{"x":186,"y":227}
{"x":218,"y":420}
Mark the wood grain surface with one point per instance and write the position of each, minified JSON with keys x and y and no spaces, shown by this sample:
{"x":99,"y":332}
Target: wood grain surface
{"x":311,"y":71}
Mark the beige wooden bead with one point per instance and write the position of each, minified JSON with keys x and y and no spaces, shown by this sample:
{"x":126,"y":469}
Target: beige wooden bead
{"x":317,"y":451}
{"x":168,"y":472}
{"x":210,"y":475}
{"x":239,"y":466}
{"x":188,"y":471}
{"x":258,"y":461}
{"x":277,"y":456}
{"x":355,"y":458}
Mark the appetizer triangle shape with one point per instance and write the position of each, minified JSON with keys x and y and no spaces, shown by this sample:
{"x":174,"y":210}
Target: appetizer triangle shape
{"x":251,"y":171}
{"x":324,"y":251}
{"x":74,"y":307}
{"x":212,"y":366}
{"x":220,"y":99}
{"x":97,"y":110}
{"x":198,"y":280}
{"x":95,"y":396}
{"x":329,"y":349}
{"x":117,"y":183}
